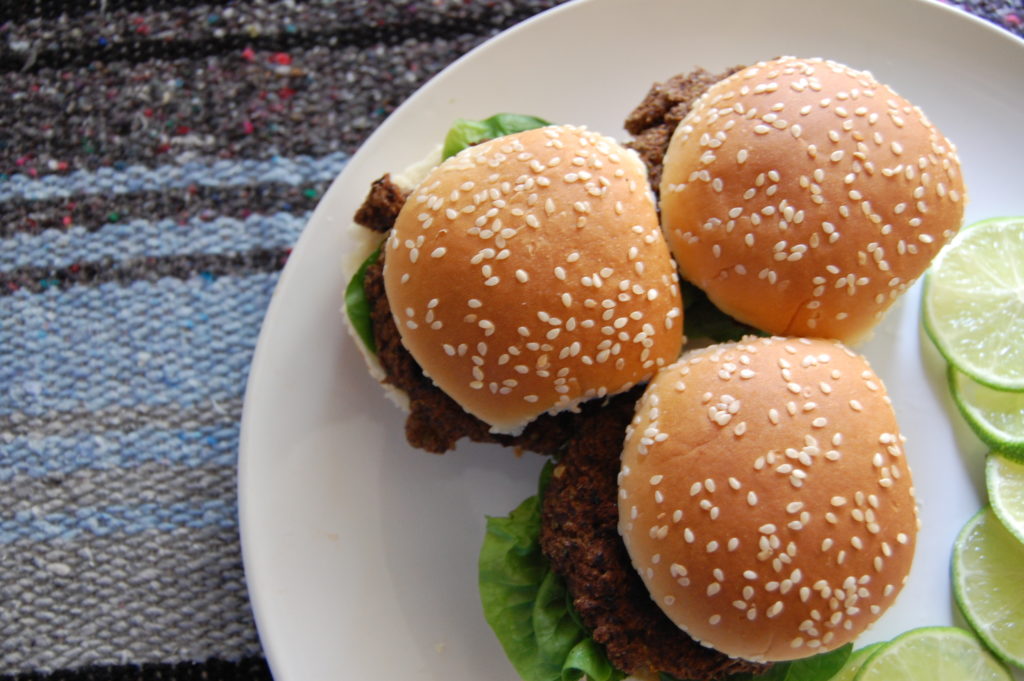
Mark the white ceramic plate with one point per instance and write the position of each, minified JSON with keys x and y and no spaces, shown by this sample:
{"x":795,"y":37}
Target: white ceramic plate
{"x":360,"y":553}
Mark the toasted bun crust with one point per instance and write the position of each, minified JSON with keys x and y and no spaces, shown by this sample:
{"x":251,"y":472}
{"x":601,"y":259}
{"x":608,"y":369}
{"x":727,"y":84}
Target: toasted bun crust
{"x":804,"y":197}
{"x":529,"y":273}
{"x":765,"y":499}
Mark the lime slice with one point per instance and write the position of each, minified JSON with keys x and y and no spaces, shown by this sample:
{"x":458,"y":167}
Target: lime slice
{"x":933,"y":654}
{"x":974,"y":302}
{"x":853,"y":663}
{"x":1005,"y":481}
{"x":996,"y":416}
{"x":988,"y":570}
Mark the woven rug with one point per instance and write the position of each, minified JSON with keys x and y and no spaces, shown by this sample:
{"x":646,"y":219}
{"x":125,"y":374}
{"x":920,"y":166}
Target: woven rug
{"x":157,"y":161}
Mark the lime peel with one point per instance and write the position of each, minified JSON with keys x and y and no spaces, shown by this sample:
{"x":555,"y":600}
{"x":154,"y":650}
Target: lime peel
{"x":995,"y":416}
{"x":988,"y":569}
{"x":930,"y":653}
{"x":973,"y":305}
{"x":1004,"y":478}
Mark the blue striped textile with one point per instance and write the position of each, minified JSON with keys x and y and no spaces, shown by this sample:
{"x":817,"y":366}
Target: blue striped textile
{"x":137,"y":178}
{"x":173,"y":342}
{"x":117,"y":518}
{"x":136,"y":238}
{"x":34,"y":455}
{"x":120,"y":403}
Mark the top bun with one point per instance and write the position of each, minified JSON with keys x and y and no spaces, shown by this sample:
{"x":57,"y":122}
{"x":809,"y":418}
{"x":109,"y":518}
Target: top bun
{"x":804,"y":197}
{"x":529,"y":273}
{"x":765,"y":499}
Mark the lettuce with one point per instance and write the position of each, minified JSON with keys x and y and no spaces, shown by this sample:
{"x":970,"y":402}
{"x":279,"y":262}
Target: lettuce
{"x":818,"y":668}
{"x":528,"y":607}
{"x":465,"y":133}
{"x":357,"y":305}
{"x":703,"y":320}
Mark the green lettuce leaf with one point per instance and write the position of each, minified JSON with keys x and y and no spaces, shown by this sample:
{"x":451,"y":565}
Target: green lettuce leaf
{"x":703,"y":320}
{"x":819,"y":667}
{"x":587,"y":659}
{"x":554,"y":629}
{"x":528,"y":607}
{"x":357,"y":305}
{"x":465,"y":133}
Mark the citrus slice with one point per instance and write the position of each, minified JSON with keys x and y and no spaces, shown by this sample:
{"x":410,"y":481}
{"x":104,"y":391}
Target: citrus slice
{"x":974,"y":302}
{"x":1004,"y":478}
{"x":988,"y":570}
{"x":853,"y":663}
{"x":930,"y":654}
{"x":996,"y":416}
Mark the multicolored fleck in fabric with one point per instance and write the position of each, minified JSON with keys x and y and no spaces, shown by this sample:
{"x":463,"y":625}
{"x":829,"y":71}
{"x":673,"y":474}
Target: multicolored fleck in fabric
{"x":157,"y":161}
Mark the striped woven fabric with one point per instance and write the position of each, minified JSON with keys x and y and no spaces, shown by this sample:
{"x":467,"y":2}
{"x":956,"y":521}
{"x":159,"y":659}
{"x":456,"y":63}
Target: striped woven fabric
{"x":157,"y":161}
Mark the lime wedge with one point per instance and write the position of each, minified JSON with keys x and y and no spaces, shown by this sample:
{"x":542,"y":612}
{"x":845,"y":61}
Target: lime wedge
{"x":988,"y":571}
{"x":996,"y":416}
{"x":974,"y":302}
{"x":1005,"y":481}
{"x":854,"y":662}
{"x":933,"y":654}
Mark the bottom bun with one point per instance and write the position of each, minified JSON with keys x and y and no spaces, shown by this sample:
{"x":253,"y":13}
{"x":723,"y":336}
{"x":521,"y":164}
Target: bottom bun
{"x":765,"y":499}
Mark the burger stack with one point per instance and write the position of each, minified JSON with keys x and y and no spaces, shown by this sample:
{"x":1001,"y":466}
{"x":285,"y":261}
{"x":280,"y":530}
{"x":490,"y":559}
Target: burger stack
{"x":745,"y":502}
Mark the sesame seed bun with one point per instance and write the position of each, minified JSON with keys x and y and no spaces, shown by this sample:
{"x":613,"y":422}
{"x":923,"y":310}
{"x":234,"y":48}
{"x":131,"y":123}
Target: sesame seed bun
{"x":804,"y":197}
{"x":764,"y":497}
{"x":529,"y":273}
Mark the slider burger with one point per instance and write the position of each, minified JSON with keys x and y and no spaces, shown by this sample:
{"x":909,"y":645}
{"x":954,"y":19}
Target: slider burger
{"x":804,"y":197}
{"x":759,"y":510}
{"x":523,"y":278}
{"x":765,"y":499}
